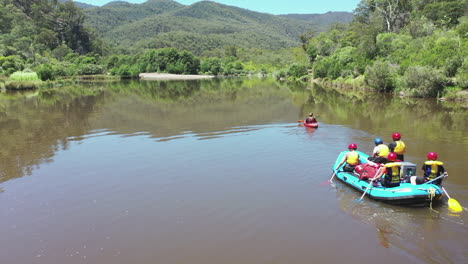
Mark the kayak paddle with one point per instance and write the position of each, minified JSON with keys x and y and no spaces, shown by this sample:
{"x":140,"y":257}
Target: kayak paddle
{"x":453,"y":204}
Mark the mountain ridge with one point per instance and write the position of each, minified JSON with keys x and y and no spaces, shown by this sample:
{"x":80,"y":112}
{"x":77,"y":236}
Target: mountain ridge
{"x":164,"y":23}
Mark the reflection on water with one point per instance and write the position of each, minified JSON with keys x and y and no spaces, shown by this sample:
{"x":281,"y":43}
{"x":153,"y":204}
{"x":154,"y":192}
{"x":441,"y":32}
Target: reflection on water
{"x":415,"y":231}
{"x":215,"y":171}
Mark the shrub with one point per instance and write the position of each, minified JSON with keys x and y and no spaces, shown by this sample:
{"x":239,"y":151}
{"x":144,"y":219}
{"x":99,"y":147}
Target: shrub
{"x":297,"y":71}
{"x":422,"y":81}
{"x":281,"y":74}
{"x":46,"y":72}
{"x":211,"y":65}
{"x":452,"y":65}
{"x":22,"y":76}
{"x":461,"y":76}
{"x":90,"y":69}
{"x":380,"y":76}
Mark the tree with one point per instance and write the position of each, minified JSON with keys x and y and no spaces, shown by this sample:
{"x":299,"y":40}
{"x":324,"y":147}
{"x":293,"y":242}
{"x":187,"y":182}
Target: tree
{"x":395,"y":13}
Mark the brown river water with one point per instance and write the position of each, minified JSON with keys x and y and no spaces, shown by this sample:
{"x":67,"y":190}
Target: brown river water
{"x":217,"y":171}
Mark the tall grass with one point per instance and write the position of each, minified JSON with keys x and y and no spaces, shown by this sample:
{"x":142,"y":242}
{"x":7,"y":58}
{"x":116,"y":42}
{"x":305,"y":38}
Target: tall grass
{"x":23,"y":80}
{"x":20,"y":76}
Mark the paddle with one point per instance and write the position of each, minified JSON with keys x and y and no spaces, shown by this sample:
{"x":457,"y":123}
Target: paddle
{"x":370,"y":184}
{"x":441,"y":176}
{"x":333,"y":176}
{"x":453,"y":204}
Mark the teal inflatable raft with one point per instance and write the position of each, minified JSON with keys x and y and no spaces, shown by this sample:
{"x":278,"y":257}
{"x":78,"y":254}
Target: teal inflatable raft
{"x":405,"y":194}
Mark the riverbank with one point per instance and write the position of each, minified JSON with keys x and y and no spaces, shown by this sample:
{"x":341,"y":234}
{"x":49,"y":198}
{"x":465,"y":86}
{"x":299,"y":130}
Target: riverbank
{"x":359,"y":84}
{"x":169,"y":76}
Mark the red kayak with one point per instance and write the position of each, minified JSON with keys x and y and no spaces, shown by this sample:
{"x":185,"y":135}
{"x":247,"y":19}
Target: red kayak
{"x":314,"y":125}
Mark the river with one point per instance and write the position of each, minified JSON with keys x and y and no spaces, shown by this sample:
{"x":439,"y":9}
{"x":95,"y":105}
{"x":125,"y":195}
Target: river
{"x":217,"y":171}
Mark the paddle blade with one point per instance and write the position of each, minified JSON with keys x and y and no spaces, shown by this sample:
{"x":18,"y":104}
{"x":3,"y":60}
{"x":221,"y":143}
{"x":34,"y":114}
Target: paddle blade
{"x":454,"y":206}
{"x":300,"y":121}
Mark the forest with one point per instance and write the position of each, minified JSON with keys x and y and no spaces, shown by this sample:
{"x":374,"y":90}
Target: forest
{"x":412,"y":47}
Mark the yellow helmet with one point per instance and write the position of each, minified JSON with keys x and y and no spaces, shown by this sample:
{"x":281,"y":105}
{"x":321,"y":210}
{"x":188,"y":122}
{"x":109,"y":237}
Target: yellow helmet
{"x":311,"y":114}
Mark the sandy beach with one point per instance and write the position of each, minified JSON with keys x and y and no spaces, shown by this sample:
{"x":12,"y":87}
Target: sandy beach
{"x":168,"y":76}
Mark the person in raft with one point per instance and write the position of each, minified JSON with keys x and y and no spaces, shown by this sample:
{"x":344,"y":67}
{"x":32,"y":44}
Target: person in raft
{"x":432,"y":169}
{"x":380,"y":152}
{"x":397,"y":146}
{"x":351,"y":159}
{"x":311,"y":119}
{"x":391,"y":172}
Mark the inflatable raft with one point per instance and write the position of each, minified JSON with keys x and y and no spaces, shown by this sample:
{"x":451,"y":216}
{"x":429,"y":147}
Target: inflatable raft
{"x":313,"y":125}
{"x":405,"y":194}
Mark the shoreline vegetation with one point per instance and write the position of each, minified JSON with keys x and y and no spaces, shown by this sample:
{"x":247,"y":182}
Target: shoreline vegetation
{"x":421,"y":50}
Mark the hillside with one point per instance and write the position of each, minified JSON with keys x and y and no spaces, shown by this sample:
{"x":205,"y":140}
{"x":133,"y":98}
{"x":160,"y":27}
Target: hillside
{"x":198,"y":27}
{"x":78,"y":4}
{"x":324,"y":19}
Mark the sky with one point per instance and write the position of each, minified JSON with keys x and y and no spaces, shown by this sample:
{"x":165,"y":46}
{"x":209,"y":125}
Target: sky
{"x":275,"y":7}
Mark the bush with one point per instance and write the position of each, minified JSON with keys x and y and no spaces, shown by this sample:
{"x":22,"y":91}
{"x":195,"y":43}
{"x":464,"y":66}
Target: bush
{"x":462,"y":75}
{"x":46,"y":72}
{"x":10,"y":64}
{"x":23,"y":76}
{"x":211,"y":66}
{"x":380,"y":76}
{"x":422,"y":81}
{"x":281,"y":74}
{"x":452,"y":65}
{"x":169,"y":60}
{"x":128,"y":71}
{"x":90,"y":69}
{"x":297,"y":71}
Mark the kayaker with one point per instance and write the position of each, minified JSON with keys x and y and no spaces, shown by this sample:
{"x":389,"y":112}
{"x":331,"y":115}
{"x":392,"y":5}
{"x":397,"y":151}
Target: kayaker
{"x":391,"y":171}
{"x":311,"y":118}
{"x":432,"y":168}
{"x":351,"y":158}
{"x":397,"y":146}
{"x":380,"y":152}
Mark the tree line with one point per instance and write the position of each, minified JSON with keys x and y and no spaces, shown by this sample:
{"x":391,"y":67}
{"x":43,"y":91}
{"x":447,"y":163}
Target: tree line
{"x":419,"y":47}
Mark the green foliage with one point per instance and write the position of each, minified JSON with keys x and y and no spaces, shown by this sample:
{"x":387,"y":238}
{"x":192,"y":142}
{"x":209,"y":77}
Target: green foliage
{"x":297,"y":71}
{"x":90,"y":69}
{"x":23,"y":76}
{"x":420,"y":27}
{"x":169,"y":60}
{"x":445,"y":13}
{"x":461,"y":76}
{"x":46,"y":72}
{"x":452,"y":65}
{"x":380,"y":76}
{"x":398,"y":43}
{"x":422,"y":81}
{"x":200,"y":27}
{"x":462,"y":29}
{"x":345,"y":62}
{"x":211,"y":66}
{"x":10,"y":64}
{"x":29,"y":27}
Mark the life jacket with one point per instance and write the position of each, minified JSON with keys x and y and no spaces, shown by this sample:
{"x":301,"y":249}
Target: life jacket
{"x":383,"y":150}
{"x":432,"y":170}
{"x":311,"y":119}
{"x":400,"y":147}
{"x":393,"y":172}
{"x":353,"y":158}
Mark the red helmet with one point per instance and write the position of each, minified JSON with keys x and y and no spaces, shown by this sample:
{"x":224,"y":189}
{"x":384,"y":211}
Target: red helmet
{"x":352,"y":146}
{"x":396,"y":136}
{"x":392,"y":156}
{"x":431,"y":156}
